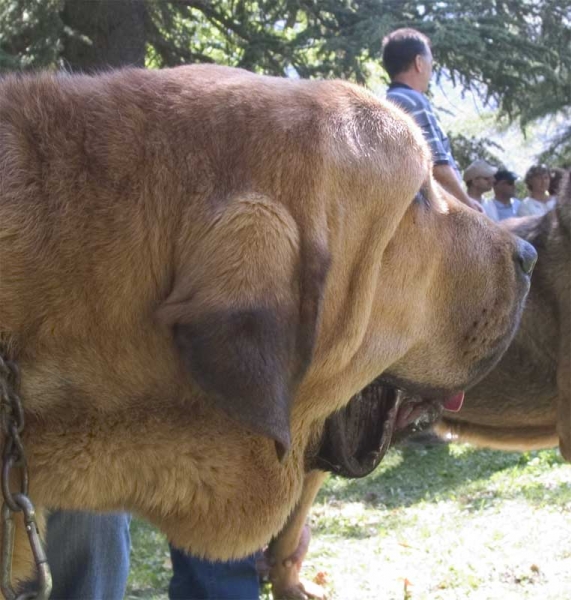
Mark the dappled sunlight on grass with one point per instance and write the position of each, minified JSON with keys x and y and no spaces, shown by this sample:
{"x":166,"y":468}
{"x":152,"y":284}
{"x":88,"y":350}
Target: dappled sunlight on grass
{"x":411,"y":474}
{"x":453,"y":522}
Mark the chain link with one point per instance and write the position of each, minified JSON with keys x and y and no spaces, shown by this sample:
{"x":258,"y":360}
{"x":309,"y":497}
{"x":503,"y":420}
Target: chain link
{"x":14,"y":466}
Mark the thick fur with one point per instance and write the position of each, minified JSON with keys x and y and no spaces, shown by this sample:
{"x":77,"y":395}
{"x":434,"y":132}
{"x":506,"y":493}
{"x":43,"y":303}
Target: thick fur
{"x":199,"y":265}
{"x":524,"y":403}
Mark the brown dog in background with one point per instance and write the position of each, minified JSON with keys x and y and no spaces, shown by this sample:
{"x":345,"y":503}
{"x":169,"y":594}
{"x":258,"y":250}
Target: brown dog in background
{"x":525,"y":402}
{"x":200,"y":265}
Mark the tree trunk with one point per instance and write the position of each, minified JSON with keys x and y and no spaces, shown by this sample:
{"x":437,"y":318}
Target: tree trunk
{"x":104,"y":34}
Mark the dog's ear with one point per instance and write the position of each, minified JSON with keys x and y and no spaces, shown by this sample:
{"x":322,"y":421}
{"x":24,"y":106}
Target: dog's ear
{"x":244,"y":313}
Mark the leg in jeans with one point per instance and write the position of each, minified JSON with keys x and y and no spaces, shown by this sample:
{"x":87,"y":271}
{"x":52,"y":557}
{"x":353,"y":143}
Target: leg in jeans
{"x":196,"y":579}
{"x":89,"y":555}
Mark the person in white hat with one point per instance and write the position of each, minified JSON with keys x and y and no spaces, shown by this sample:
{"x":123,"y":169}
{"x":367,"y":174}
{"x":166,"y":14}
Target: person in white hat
{"x":479,"y":179}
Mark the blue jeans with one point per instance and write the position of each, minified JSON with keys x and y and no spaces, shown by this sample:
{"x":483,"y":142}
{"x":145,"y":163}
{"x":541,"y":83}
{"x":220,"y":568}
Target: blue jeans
{"x":88,"y":554}
{"x":89,"y":557}
{"x":195,"y":579}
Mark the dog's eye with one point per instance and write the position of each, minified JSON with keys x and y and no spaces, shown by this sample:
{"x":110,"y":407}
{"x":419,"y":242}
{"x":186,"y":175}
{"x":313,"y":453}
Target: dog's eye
{"x":422,"y":198}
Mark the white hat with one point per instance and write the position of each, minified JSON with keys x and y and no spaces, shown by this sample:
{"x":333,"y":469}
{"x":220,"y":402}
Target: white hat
{"x":479,"y":168}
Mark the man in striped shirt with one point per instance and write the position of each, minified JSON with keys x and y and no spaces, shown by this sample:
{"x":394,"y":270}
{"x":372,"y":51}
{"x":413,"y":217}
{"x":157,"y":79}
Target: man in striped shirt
{"x":407,"y":58}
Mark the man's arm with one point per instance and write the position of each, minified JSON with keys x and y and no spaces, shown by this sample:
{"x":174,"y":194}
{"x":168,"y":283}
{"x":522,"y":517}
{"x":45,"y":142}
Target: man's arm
{"x":448,"y":179}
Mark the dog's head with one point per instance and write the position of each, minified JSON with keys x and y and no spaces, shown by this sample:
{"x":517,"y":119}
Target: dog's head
{"x":326,"y":256}
{"x":459,"y":299}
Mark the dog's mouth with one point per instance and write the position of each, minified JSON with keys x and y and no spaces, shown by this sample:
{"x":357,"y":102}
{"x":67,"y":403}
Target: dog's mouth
{"x":356,"y":439}
{"x":416,"y":413}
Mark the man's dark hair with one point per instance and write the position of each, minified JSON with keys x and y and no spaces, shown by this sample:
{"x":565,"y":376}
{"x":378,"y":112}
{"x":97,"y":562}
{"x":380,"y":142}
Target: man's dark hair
{"x":505,"y":175}
{"x":401,"y":47}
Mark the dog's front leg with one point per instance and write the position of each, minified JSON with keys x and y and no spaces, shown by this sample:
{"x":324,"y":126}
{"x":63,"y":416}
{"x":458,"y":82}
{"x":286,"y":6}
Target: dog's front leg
{"x":288,"y":549}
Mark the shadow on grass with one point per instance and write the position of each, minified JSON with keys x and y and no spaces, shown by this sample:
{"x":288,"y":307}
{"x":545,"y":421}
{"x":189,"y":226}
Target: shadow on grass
{"x":412,"y":474}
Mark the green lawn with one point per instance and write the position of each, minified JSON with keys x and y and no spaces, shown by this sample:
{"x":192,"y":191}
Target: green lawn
{"x":445,"y":522}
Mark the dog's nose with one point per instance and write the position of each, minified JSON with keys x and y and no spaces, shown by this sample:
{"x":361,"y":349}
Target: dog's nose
{"x":526,"y":256}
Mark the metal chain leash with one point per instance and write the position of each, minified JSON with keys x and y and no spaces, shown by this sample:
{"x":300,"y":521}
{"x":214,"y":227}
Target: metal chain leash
{"x":14,"y":462}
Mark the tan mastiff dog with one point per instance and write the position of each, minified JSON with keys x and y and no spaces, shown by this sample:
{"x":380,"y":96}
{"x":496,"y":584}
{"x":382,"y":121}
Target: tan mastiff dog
{"x":200,"y":265}
{"x":525,"y":402}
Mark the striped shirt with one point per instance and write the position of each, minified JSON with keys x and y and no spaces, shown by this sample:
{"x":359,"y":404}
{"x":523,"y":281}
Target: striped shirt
{"x":418,"y":106}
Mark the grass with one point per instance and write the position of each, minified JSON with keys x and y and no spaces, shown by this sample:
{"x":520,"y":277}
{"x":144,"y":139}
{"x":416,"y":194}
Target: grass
{"x":446,"y":522}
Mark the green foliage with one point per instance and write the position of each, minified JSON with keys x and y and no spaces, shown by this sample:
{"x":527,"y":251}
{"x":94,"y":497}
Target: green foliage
{"x":30,"y":33}
{"x":467,"y":149}
{"x":558,"y":153}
